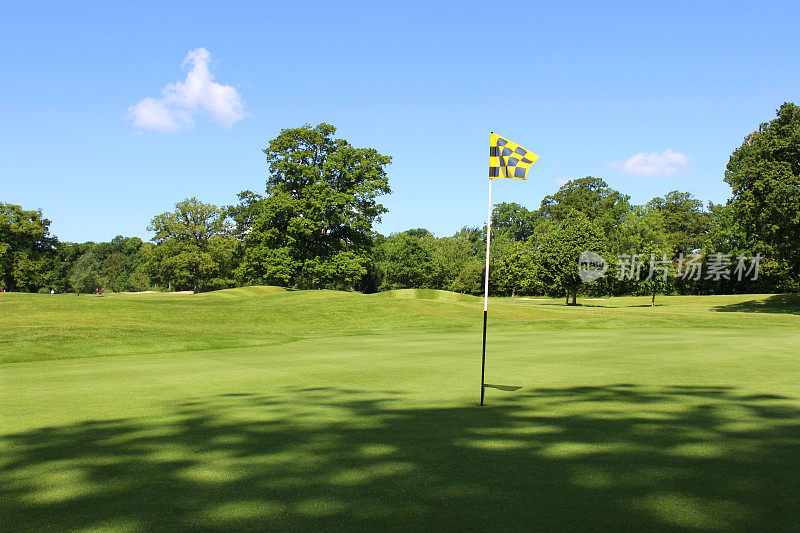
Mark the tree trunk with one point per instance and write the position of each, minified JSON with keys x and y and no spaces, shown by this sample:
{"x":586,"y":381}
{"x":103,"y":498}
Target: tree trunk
{"x":575,"y":297}
{"x":653,"y":301}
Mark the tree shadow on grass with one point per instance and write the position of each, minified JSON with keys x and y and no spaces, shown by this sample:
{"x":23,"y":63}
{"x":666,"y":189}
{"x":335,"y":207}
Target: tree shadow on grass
{"x":616,"y":457}
{"x":778,"y":303}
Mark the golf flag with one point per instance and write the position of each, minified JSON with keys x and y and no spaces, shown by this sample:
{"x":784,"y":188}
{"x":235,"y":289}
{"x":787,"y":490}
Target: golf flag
{"x":508,"y":159}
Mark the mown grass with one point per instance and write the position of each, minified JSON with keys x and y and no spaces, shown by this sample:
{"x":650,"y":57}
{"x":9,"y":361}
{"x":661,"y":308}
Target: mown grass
{"x":261,"y":408}
{"x":35,"y":327}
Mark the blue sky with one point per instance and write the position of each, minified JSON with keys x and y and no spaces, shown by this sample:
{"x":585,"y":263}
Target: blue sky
{"x":586,"y":85}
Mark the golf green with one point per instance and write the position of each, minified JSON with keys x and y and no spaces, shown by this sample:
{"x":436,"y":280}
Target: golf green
{"x":260,"y":408}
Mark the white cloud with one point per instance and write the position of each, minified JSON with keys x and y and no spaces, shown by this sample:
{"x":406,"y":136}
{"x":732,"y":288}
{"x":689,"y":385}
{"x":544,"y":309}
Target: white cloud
{"x":153,"y":114}
{"x":182,"y":100}
{"x":664,"y":164}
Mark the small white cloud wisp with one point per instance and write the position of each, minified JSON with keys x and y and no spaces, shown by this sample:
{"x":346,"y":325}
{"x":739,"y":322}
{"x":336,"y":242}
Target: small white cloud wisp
{"x":180,"y":101}
{"x":664,"y":164}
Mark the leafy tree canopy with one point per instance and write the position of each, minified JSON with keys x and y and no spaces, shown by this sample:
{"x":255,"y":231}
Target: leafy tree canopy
{"x":193,"y":246}
{"x":559,"y":249}
{"x":314,"y":226}
{"x":26,"y":248}
{"x":514,"y":219}
{"x":644,"y":235}
{"x":590,"y":196}
{"x":764,"y":173}
{"x":85,"y":274}
{"x":685,"y":222}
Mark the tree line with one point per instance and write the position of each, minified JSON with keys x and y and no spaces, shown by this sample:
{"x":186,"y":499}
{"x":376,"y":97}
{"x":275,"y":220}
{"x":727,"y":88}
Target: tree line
{"x":312,"y":228}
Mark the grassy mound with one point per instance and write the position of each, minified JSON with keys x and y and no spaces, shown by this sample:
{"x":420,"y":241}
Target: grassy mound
{"x":34,"y":326}
{"x":243,"y":292}
{"x":430,"y":294}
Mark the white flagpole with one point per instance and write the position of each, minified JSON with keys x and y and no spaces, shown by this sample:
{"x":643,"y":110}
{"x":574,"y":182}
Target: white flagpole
{"x":486,"y":288}
{"x":488,"y":241}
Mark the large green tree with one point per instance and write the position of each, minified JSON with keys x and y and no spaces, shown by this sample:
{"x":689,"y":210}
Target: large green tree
{"x":313,"y":228}
{"x":84,"y":276}
{"x":513,"y":268}
{"x":194,"y":248}
{"x":764,"y":173}
{"x":650,"y":253}
{"x":26,"y":249}
{"x":559,"y":249}
{"x":590,"y":196}
{"x":603,"y":206}
{"x":514,"y":219}
{"x":409,"y":260}
{"x":685,"y":222}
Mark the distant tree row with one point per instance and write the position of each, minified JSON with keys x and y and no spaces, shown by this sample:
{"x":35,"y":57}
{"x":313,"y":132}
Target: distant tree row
{"x":31,"y":260}
{"x":312,"y":228}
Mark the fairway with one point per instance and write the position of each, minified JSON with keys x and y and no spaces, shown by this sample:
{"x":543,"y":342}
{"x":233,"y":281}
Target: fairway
{"x":262,"y":408}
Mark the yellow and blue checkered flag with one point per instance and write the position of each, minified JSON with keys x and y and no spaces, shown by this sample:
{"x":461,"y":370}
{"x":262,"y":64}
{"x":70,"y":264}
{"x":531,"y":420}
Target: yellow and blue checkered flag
{"x":508,"y":159}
